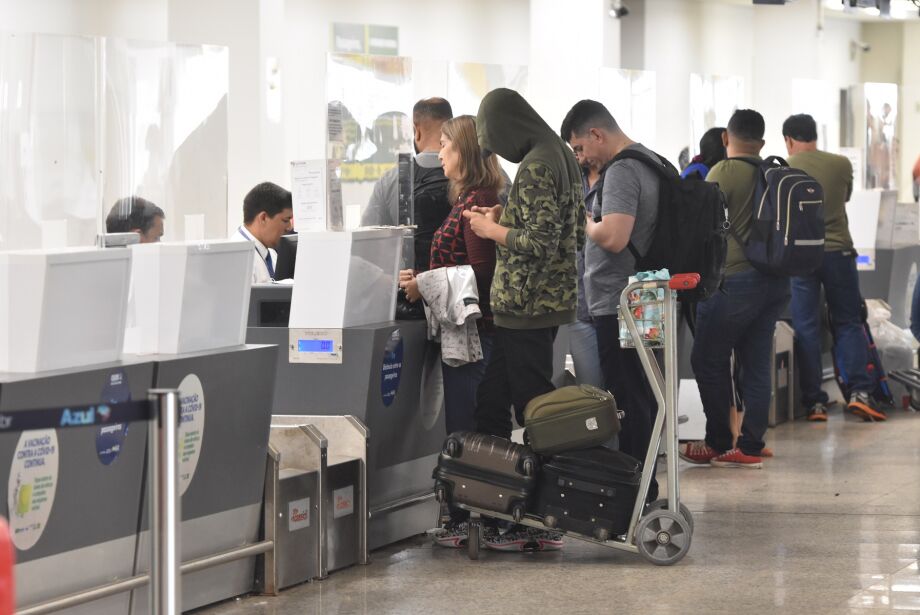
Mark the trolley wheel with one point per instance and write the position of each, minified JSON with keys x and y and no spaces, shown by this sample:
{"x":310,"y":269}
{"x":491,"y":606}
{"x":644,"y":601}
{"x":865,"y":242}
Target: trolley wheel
{"x":663,"y":537}
{"x":473,"y":539}
{"x":529,"y":467}
{"x":452,"y":447}
{"x":549,"y":521}
{"x":517,"y":513}
{"x":684,"y":511}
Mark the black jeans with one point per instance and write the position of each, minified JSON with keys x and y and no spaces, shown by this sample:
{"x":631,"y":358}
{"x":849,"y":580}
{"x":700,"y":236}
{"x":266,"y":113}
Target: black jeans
{"x":626,"y":379}
{"x":520,"y":368}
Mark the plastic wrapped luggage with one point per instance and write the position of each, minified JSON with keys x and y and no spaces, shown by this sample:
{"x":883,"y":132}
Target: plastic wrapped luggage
{"x":570,"y":418}
{"x":486,"y":472}
{"x":590,"y":492}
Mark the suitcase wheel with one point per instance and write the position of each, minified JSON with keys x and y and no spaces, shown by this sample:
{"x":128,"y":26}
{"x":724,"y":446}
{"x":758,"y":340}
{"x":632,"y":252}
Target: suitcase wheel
{"x":529,"y":467}
{"x":517,"y":513}
{"x":452,"y":447}
{"x":602,"y":534}
{"x":550,"y":521}
{"x":440,"y":493}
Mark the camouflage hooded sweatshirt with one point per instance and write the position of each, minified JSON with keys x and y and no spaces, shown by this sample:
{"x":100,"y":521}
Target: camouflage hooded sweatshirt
{"x":535,"y":277}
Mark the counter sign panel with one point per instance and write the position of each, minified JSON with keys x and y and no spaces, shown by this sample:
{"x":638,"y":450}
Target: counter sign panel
{"x":391,"y":369}
{"x":110,"y":439}
{"x":32,"y":484}
{"x":191,"y":428}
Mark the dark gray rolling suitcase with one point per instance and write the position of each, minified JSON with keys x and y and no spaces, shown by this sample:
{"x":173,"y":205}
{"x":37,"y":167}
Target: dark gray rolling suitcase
{"x":486,"y":472}
{"x":569,"y":418}
{"x":591,"y":492}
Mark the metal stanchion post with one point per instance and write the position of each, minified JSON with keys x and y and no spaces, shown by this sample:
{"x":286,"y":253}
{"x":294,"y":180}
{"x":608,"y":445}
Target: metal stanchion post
{"x":165,"y":517}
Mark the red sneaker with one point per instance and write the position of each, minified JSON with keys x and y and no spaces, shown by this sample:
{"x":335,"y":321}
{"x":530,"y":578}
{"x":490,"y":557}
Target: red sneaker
{"x":697,"y":452}
{"x":736,"y":459}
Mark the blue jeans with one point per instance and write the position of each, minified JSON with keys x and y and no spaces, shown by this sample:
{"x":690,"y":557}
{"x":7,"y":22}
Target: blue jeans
{"x":743,"y":319}
{"x":460,"y":385}
{"x":841,"y":288}
{"x":583,"y":348}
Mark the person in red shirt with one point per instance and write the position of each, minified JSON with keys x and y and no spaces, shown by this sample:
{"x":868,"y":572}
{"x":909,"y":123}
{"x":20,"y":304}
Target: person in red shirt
{"x":474,"y":181}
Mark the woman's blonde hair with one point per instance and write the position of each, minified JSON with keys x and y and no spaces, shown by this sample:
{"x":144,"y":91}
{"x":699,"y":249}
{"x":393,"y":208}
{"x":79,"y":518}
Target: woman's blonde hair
{"x":475,"y":172}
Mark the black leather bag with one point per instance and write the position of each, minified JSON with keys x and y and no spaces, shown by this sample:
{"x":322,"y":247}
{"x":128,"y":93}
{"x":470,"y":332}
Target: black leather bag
{"x":406,"y":310}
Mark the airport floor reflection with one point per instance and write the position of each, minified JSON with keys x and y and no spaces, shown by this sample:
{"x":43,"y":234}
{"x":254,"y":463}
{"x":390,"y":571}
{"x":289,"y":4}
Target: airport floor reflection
{"x":830,"y":525}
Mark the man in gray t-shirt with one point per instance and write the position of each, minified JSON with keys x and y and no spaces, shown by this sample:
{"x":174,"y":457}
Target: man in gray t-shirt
{"x":626,"y":214}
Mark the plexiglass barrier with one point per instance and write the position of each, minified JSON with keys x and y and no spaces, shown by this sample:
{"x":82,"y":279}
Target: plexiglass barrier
{"x":630,"y":97}
{"x":713,"y":99}
{"x":89,"y":123}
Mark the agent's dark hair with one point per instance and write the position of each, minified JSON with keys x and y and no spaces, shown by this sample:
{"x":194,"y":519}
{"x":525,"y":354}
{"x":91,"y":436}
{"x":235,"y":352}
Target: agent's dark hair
{"x":712,"y":150}
{"x":132,"y":213}
{"x":437,"y":109}
{"x":585,"y":115}
{"x":747,"y":125}
{"x":268,"y":197}
{"x":801,"y":127}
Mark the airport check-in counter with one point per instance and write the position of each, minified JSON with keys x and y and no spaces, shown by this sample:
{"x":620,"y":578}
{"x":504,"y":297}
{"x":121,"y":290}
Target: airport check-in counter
{"x":74,"y":495}
{"x":342,"y":354}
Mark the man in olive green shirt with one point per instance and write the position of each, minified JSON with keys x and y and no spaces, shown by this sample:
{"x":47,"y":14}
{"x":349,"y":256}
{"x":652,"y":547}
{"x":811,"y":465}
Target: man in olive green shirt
{"x":741,"y":318}
{"x":838,"y":277}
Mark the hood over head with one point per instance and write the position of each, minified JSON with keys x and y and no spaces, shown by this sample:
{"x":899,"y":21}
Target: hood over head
{"x":508,"y":126}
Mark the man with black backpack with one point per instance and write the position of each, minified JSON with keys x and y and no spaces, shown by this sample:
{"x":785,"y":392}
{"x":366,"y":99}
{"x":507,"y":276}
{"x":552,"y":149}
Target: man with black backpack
{"x":626,"y":210}
{"x":742,"y":317}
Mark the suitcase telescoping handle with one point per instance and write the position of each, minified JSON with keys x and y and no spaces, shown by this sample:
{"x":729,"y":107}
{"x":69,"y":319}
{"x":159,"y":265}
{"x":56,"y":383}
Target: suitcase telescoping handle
{"x":684,"y":281}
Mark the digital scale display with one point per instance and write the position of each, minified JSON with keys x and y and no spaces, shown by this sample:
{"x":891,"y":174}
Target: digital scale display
{"x":315,"y":346}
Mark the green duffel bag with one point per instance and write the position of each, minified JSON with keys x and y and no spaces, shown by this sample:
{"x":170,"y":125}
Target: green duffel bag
{"x":571,"y":418}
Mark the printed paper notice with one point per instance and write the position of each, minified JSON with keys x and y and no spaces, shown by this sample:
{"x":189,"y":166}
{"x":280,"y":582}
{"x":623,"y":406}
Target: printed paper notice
{"x":308,"y":190}
{"x":32,"y":485}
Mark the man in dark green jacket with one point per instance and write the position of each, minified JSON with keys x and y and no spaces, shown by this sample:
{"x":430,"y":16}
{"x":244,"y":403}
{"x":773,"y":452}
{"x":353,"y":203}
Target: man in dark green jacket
{"x":534,"y":288}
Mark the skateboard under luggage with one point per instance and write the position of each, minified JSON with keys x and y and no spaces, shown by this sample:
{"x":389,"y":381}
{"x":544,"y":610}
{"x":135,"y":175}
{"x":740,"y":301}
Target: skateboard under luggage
{"x":486,"y":472}
{"x":591,"y":492}
{"x":571,"y":418}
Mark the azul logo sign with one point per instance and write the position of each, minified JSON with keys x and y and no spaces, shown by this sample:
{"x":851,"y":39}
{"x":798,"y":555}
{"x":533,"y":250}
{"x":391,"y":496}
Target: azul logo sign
{"x":70,"y":418}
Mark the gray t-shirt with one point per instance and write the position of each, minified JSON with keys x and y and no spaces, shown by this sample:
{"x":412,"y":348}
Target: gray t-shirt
{"x":631,"y":188}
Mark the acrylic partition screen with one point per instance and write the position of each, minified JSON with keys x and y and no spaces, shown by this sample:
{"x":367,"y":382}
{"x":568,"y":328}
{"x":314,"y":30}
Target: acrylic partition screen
{"x":50,"y":174}
{"x":85,"y":122}
{"x":881,"y":150}
{"x":369,"y":104}
{"x":166,"y":135}
{"x":468,"y":83}
{"x":630,"y":97}
{"x":820,"y":100}
{"x":713,"y":99}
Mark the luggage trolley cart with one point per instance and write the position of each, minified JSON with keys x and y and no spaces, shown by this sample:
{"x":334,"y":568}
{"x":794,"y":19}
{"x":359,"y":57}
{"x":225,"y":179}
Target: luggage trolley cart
{"x":660,"y":532}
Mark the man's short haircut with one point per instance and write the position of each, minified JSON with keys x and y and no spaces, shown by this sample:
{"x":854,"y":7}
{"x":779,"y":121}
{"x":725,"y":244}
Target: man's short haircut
{"x":747,"y":125}
{"x":585,"y":115}
{"x":268,"y":197}
{"x":436,"y":109}
{"x":132,"y":213}
{"x":801,"y":127}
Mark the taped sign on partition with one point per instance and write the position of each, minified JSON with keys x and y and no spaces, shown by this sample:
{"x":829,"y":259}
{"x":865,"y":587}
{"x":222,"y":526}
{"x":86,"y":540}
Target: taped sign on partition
{"x":191,"y":428}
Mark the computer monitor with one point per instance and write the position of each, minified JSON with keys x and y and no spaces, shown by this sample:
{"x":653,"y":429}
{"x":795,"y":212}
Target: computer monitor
{"x":287,"y":257}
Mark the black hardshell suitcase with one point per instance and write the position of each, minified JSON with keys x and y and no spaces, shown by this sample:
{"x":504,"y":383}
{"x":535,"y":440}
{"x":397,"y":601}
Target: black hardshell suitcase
{"x":486,"y":472}
{"x":591,"y":492}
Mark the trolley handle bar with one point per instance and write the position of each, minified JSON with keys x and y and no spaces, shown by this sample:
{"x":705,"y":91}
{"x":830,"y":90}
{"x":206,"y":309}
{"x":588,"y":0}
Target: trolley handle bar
{"x":684,"y":281}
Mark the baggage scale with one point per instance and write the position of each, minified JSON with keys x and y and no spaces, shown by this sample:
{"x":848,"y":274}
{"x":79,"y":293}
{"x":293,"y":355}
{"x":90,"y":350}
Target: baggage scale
{"x":662,"y":531}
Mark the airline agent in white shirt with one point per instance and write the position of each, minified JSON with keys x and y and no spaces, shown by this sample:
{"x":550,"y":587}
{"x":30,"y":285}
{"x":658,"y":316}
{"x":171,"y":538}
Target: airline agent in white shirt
{"x":267,"y":215}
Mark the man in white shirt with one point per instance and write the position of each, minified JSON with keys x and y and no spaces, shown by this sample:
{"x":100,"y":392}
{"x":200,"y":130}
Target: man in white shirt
{"x":267,"y":215}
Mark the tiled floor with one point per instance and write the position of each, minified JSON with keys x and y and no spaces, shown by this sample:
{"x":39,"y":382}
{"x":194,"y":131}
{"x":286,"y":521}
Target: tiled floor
{"x":831,"y":525}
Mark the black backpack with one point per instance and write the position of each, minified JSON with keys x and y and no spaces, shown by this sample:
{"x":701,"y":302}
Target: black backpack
{"x":787,"y":227}
{"x":691,"y":232}
{"x":431,"y":206}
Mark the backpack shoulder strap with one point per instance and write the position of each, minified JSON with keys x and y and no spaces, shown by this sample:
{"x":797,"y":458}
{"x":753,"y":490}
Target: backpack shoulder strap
{"x":662,"y":166}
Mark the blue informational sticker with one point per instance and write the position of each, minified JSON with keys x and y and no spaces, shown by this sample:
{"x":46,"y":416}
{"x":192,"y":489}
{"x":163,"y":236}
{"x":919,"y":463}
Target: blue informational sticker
{"x":391,"y":370}
{"x":110,"y":439}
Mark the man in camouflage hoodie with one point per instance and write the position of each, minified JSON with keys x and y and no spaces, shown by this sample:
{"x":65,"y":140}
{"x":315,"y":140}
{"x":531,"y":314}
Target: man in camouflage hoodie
{"x":534,"y":288}
{"x":536,"y":235}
